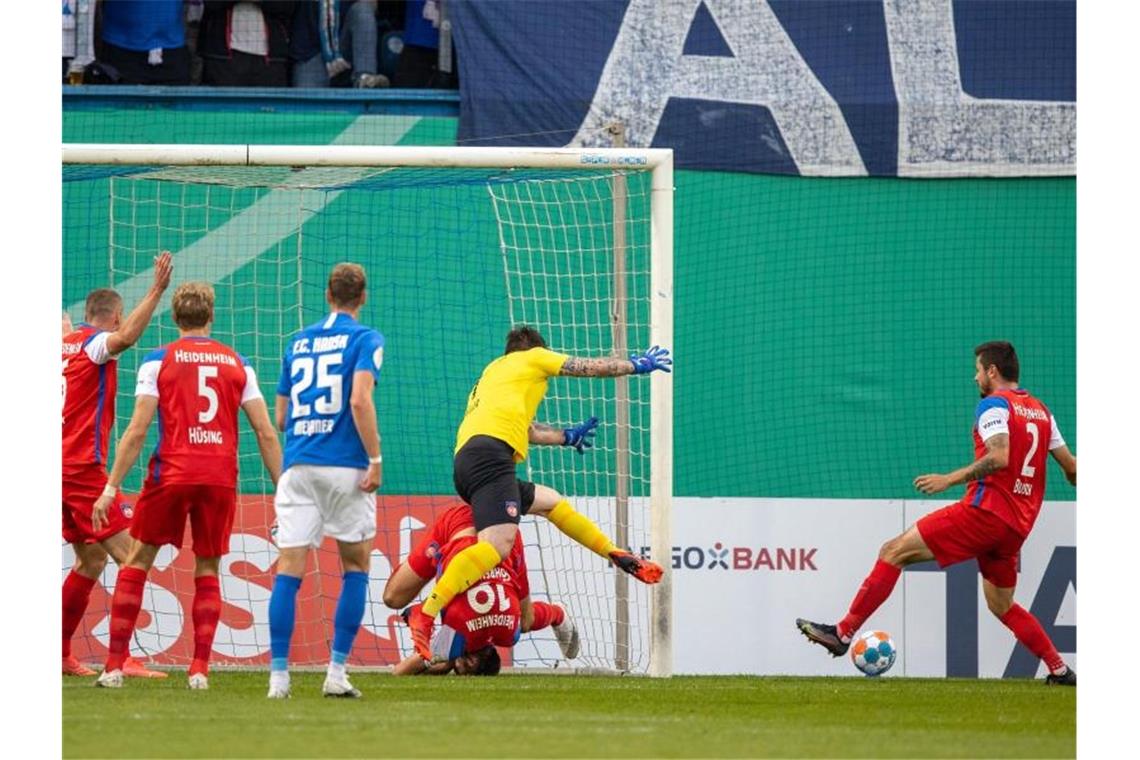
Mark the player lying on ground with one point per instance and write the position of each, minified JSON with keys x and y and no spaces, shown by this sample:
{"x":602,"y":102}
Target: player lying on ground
{"x":90,"y":382}
{"x":332,"y":470}
{"x":494,"y":612}
{"x":1012,"y":432}
{"x":196,"y":385}
{"x":493,"y":438}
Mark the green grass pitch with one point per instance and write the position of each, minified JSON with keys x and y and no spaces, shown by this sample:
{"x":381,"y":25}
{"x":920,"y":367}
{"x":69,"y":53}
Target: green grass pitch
{"x":572,"y":716}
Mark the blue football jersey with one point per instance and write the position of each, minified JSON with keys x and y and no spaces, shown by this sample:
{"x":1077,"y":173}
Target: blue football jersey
{"x":316,"y":377}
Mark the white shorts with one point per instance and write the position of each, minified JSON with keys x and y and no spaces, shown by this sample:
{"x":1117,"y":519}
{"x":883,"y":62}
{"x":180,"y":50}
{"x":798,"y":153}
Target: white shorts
{"x":313,"y":501}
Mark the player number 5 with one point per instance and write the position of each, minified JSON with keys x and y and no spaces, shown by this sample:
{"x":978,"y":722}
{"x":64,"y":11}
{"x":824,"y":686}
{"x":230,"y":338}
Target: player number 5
{"x":206,"y":371}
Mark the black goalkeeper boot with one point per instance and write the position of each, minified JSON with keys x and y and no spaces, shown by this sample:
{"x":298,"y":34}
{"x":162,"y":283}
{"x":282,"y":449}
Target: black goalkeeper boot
{"x":824,"y":635}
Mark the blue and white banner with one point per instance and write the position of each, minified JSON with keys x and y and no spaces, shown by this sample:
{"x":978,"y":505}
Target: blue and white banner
{"x":813,"y":87}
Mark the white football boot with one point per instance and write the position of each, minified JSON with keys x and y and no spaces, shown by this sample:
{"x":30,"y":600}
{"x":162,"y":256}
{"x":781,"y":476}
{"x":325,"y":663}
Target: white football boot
{"x":567,"y":634}
{"x":198,"y":681}
{"x":340,"y":687}
{"x":110,"y":679}
{"x":279,"y":686}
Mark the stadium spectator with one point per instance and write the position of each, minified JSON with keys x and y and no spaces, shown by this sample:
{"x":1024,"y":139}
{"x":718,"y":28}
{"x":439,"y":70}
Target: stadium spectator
{"x":145,"y":41}
{"x":419,"y":61}
{"x":331,"y":37}
{"x":78,"y":38}
{"x":245,"y":44}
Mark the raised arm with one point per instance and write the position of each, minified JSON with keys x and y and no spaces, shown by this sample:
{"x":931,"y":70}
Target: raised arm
{"x":1068,"y":462}
{"x":267,"y":441}
{"x":133,"y":326}
{"x":364,"y":415}
{"x":126,"y":454}
{"x":995,"y":458}
{"x":613,"y":366}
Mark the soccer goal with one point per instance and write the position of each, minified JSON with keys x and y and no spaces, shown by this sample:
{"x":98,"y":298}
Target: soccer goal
{"x":458,"y":244}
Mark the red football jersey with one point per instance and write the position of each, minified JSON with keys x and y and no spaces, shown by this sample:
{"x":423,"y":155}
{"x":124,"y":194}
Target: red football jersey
{"x":200,"y":384}
{"x":90,"y":380}
{"x":489,"y":611}
{"x":1014,"y":493}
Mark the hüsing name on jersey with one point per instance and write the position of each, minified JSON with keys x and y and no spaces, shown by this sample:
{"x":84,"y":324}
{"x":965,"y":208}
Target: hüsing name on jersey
{"x":200,"y":435}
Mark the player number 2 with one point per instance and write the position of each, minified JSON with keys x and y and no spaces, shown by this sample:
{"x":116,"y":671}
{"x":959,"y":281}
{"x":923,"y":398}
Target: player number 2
{"x":205,"y":391}
{"x":482,"y":598}
{"x":1028,"y":470}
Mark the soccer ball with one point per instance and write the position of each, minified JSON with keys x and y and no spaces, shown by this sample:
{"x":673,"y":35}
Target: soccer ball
{"x":873,"y":652}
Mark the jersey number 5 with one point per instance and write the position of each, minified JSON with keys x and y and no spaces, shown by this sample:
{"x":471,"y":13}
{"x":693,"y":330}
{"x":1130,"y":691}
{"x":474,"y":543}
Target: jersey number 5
{"x":320,"y":370}
{"x":206,"y":371}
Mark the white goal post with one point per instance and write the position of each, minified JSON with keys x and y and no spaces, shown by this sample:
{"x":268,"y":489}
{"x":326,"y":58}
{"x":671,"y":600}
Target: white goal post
{"x":658,"y":163}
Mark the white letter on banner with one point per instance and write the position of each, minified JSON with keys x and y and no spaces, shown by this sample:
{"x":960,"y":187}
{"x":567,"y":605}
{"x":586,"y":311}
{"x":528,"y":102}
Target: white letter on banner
{"x":646,"y":67}
{"x":251,"y":597}
{"x":945,"y":132}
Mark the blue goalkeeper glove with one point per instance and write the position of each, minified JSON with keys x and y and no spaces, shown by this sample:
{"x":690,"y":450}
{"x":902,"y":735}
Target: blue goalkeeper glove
{"x":579,"y":436}
{"x":654,"y":358}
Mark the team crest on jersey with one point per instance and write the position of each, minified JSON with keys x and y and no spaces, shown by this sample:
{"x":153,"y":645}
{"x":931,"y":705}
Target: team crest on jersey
{"x":512,"y":508}
{"x":127,"y":509}
{"x":432,"y":551}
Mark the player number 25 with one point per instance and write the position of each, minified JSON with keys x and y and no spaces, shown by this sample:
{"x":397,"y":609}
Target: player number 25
{"x":319,"y":370}
{"x":482,"y":598}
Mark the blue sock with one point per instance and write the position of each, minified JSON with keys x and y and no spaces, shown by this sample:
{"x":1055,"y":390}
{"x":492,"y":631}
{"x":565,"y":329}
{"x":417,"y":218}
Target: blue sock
{"x":349,"y":613}
{"x":282,"y":616}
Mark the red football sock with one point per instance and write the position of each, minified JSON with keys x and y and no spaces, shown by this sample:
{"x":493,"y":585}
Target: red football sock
{"x":875,"y":589}
{"x":546,"y":614}
{"x":125,"y":606}
{"x":1030,"y":633}
{"x":207,"y":609}
{"x":76,"y":595}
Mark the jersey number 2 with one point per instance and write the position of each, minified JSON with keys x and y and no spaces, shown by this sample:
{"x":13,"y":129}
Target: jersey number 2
{"x":1028,"y":470}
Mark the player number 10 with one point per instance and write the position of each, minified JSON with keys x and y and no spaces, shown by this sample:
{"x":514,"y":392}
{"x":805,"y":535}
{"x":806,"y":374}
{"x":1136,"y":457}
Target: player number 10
{"x":482,"y":598}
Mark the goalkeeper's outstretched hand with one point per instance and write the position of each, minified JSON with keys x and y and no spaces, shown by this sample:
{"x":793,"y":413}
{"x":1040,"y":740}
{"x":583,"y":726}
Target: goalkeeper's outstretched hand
{"x":580,"y":435}
{"x":654,"y":358}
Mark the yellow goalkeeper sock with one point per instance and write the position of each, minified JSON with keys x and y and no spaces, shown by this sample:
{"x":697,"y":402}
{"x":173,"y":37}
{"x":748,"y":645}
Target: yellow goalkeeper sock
{"x":580,"y":528}
{"x":464,"y":569}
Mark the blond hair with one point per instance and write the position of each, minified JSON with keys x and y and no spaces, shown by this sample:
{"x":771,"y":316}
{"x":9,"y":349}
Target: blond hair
{"x":193,"y":305}
{"x":346,"y":285}
{"x":102,"y":303}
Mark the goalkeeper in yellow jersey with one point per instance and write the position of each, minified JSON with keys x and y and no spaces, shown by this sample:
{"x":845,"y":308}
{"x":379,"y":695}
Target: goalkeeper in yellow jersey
{"x":493,"y":438}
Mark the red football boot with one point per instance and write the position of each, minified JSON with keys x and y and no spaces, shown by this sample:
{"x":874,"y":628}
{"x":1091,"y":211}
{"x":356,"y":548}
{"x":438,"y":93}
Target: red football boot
{"x":642,"y":569}
{"x":73,"y":667}
{"x":132,"y":668}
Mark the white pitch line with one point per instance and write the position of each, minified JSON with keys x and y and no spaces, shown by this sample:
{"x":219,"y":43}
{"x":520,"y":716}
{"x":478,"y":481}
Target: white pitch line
{"x":262,"y":225}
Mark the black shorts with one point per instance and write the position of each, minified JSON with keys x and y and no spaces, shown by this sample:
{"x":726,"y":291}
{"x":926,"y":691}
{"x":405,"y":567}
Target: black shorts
{"x":485,"y":478}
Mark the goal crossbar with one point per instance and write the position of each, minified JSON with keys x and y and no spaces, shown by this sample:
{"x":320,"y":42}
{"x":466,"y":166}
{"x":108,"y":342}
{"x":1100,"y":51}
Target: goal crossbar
{"x":657,"y":161}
